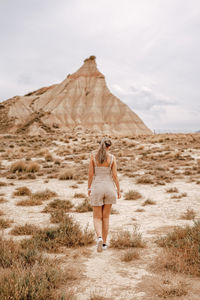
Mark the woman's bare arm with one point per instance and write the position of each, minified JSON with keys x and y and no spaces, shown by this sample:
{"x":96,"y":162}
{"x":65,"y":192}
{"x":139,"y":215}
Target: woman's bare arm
{"x":115,"y":177}
{"x":90,"y":173}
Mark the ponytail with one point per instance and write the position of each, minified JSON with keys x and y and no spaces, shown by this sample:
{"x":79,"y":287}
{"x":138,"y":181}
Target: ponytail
{"x":101,"y":154}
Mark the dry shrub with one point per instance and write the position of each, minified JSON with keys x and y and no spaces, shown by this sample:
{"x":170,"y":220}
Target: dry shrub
{"x":148,"y":202}
{"x":181,"y":250}
{"x":3,"y":183}
{"x":85,"y":206}
{"x":3,"y":200}
{"x":171,"y":289}
{"x":172,"y":190}
{"x":179,"y":196}
{"x":139,"y":210}
{"x":144,"y":179}
{"x":27,"y":229}
{"x":32,"y":167}
{"x":125,"y":239}
{"x":57,"y":204}
{"x":57,"y":216}
{"x":48,"y":157}
{"x":68,"y":234}
{"x":129,"y":255}
{"x":43,"y":195}
{"x":26,"y":275}
{"x":165,"y":287}
{"x":29,"y":202}
{"x":132,"y":195}
{"x":5,"y":223}
{"x":80,"y":195}
{"x":22,"y":191}
{"x":66,"y":174}
{"x":18,"y":166}
{"x":190,"y":214}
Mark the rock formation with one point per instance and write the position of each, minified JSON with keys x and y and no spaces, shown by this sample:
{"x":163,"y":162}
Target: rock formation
{"x":82,"y":99}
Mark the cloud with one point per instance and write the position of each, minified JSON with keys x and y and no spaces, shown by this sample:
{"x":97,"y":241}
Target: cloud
{"x":143,"y":98}
{"x":147,"y":50}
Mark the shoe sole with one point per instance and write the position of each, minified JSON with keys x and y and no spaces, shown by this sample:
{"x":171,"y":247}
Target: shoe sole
{"x":99,"y":246}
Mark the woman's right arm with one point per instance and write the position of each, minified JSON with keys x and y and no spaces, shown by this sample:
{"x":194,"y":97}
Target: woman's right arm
{"x":90,"y":174}
{"x":115,"y":177}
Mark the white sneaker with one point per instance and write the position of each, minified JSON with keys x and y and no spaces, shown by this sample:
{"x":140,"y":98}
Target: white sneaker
{"x":99,"y":244}
{"x":104,"y":246}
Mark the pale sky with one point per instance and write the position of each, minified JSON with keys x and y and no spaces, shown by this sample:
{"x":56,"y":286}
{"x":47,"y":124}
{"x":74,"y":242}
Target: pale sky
{"x":149,"y":51}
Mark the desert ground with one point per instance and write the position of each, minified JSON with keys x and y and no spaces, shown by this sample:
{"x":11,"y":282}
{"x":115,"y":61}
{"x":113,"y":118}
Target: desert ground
{"x":47,"y":243}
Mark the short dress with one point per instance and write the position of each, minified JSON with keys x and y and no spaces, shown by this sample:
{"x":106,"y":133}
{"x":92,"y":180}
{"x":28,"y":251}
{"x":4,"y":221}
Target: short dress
{"x":103,"y":190}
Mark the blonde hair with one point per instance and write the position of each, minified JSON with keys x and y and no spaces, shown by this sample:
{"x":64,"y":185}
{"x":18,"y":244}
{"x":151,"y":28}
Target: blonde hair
{"x":101,"y":154}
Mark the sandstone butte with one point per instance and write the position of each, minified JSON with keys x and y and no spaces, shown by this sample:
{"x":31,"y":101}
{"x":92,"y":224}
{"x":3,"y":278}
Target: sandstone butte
{"x":81,"y":101}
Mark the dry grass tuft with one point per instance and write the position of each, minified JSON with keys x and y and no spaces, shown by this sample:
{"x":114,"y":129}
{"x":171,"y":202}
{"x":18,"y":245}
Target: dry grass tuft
{"x":1,"y":213}
{"x":68,"y":234}
{"x":139,"y":210}
{"x":190,"y":214}
{"x":132,"y":195}
{"x":66,"y":175}
{"x":22,"y":191}
{"x":144,"y":179}
{"x":32,"y":167}
{"x":18,"y":166}
{"x":171,"y":289}
{"x":57,"y":216}
{"x":148,"y":202}
{"x":172,"y":190}
{"x":26,"y":275}
{"x":5,"y":223}
{"x":125,"y":239}
{"x":80,"y":195}
{"x":2,"y":183}
{"x":129,"y":255}
{"x":3,"y":200}
{"x":29,"y":202}
{"x":85,"y":206}
{"x":27,"y":229}
{"x":181,"y":250}
{"x":57,"y":204}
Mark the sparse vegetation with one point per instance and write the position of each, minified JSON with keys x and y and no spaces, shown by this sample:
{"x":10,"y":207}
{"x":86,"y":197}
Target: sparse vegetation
{"x":5,"y":223}
{"x":67,"y":234}
{"x":126,"y":239}
{"x":188,"y":215}
{"x":66,"y":175}
{"x":25,"y":274}
{"x":148,"y":202}
{"x":181,"y":250}
{"x":144,"y":180}
{"x":85,"y":206}
{"x":57,"y":204}
{"x":27,"y":229}
{"x":132,"y":195}
{"x":22,"y":191}
{"x":129,"y":255}
{"x":172,"y":190}
{"x":80,"y":195}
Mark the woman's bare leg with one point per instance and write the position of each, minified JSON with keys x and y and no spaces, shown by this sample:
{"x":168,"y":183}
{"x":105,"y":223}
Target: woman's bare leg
{"x":105,"y":222}
{"x":97,"y":219}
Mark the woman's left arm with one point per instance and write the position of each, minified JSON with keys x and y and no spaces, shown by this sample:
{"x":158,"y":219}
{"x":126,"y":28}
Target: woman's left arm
{"x":90,"y":174}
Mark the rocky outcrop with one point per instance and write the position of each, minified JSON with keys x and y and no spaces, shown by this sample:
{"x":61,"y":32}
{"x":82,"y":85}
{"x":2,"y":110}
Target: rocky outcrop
{"x":82,"y":99}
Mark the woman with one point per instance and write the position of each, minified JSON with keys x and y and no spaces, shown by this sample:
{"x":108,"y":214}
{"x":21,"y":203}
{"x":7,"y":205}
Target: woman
{"x":101,"y":178}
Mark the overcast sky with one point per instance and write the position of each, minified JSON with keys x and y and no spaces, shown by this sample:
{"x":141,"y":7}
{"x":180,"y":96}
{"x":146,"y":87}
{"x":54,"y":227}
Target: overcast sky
{"x":149,"y":51}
